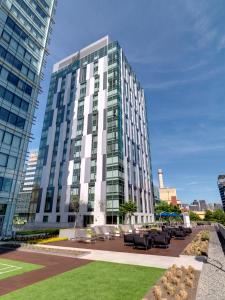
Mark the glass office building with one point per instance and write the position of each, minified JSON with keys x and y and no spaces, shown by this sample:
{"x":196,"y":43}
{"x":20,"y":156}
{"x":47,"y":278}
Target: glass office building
{"x":94,"y":146}
{"x":25,"y":26}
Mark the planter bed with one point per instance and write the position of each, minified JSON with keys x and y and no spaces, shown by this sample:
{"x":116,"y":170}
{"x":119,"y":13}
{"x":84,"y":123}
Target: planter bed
{"x":178,"y":286}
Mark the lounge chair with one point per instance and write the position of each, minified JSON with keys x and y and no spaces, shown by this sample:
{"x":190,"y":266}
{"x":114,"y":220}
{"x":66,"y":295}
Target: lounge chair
{"x":126,"y":229}
{"x":114,"y":231}
{"x":98,"y":233}
{"x":107,"y":232}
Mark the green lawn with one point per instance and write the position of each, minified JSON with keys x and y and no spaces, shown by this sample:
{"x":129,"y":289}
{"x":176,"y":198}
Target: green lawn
{"x":10,"y":268}
{"x":94,"y":281}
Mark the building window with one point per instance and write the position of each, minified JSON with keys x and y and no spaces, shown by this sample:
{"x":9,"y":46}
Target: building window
{"x":14,"y":80}
{"x":5,"y":184}
{"x":12,"y":118}
{"x":3,"y":160}
{"x":57,"y":219}
{"x":71,"y":219}
{"x":7,"y":138}
{"x":45,"y":219}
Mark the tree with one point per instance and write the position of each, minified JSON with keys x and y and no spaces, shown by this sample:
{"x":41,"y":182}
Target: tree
{"x":193,"y":216}
{"x":128,"y":209}
{"x":163,"y":206}
{"x":74,"y":206}
{"x":216,"y":216}
{"x":219,"y":216}
{"x":208,"y":215}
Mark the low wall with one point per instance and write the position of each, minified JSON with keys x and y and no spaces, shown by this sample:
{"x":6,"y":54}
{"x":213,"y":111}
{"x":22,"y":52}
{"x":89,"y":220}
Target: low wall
{"x":221,"y":229}
{"x":212,"y":279}
{"x":67,"y":233}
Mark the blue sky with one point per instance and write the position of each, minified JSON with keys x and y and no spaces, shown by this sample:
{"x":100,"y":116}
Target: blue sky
{"x":177,"y":49}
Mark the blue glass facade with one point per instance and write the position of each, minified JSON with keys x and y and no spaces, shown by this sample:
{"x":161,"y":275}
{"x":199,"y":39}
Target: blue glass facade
{"x":25,"y":26}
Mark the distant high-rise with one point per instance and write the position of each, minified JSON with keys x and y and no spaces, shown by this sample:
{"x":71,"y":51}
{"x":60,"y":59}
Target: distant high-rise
{"x":203,"y":205}
{"x":221,"y":186}
{"x":94,"y":147}
{"x":196,"y":205}
{"x":24,"y":197}
{"x":218,"y":206}
{"x":25,"y":26}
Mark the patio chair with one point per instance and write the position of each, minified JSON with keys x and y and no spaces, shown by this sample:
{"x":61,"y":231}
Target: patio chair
{"x":160,"y":240}
{"x":128,"y":239}
{"x":81,"y":235}
{"x":107,"y":232}
{"x":186,"y":230}
{"x":114,"y":231}
{"x":126,"y":229}
{"x":98,"y":234}
{"x":142,"y":242}
{"x":179,"y":234}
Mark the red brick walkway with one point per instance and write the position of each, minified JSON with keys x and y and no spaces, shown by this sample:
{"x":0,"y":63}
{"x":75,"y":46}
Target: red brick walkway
{"x":53,"y":265}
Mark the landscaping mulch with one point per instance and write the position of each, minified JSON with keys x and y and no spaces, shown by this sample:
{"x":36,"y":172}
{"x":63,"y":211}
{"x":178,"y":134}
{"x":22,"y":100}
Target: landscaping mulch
{"x":191,"y":291}
{"x":52,"y":265}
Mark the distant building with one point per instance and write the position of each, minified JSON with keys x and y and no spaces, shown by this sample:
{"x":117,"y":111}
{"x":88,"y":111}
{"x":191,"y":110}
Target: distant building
{"x":218,"y":206}
{"x":203,"y":205}
{"x":210,"y":206}
{"x":24,"y":197}
{"x":166,"y":193}
{"x":196,"y":204}
{"x":194,"y":207}
{"x":221,"y":186}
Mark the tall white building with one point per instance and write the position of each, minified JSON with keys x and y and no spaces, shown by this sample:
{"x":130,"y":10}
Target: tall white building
{"x":94,"y":146}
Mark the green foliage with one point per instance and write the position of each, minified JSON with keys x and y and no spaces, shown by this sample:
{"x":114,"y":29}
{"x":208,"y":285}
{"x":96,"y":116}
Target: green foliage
{"x":52,"y":231}
{"x":205,"y":236}
{"x":163,"y":206}
{"x":193,"y":216}
{"x":74,"y":203}
{"x":128,"y":208}
{"x":208,"y":215}
{"x":215,"y":216}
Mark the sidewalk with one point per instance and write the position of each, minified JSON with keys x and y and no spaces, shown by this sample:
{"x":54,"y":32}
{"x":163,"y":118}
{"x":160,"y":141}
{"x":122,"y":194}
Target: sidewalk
{"x":133,"y":258}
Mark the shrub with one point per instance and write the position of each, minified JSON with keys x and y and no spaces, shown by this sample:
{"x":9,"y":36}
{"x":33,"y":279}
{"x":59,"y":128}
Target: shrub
{"x":52,"y":231}
{"x":52,"y":240}
{"x":47,"y":240}
{"x":205,"y":236}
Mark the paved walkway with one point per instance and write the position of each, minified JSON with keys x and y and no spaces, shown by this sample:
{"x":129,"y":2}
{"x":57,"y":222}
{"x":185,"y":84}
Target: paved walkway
{"x":212,"y":279}
{"x":133,"y":258}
